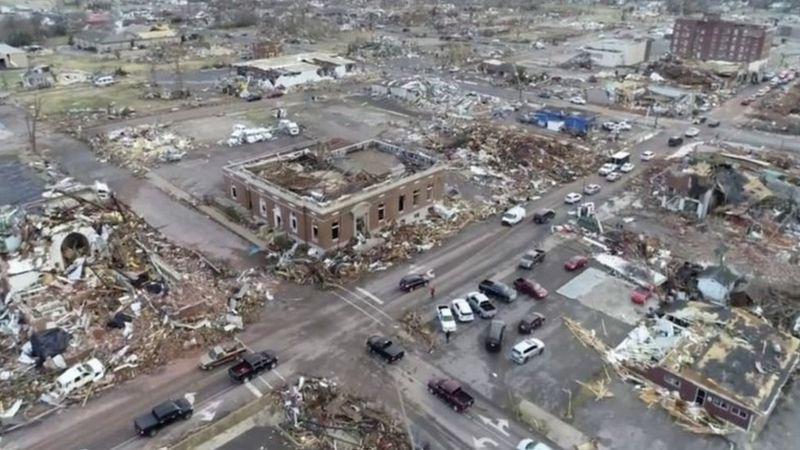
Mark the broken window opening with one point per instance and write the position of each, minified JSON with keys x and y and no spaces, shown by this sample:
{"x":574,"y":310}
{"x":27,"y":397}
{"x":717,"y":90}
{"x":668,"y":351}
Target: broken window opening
{"x":335,"y":231}
{"x":293,"y":222}
{"x":401,"y":203}
{"x":381,"y":212}
{"x":415,"y":197}
{"x":429,"y":192}
{"x":233,"y":192}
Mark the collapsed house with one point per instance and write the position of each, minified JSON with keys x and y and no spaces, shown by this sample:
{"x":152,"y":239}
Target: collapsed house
{"x":293,"y":70}
{"x":325,"y":197}
{"x":728,"y":362}
{"x":86,"y":284}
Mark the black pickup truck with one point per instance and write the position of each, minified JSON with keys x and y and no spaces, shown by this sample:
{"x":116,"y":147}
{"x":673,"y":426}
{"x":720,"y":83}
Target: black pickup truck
{"x":451,"y":392}
{"x":251,"y":365}
{"x":385,"y":348}
{"x":161,"y":416}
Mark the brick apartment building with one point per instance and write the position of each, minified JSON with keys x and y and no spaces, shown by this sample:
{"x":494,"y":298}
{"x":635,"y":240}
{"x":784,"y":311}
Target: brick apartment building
{"x":326,"y":197}
{"x":710,"y":38}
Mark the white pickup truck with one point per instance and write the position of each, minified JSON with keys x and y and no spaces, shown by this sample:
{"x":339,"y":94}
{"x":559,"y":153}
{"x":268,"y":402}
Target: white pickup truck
{"x":514,"y":215}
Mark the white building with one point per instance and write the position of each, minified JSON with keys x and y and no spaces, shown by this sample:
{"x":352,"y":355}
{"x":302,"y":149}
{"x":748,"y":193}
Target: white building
{"x":292,"y":70}
{"x":618,"y":52}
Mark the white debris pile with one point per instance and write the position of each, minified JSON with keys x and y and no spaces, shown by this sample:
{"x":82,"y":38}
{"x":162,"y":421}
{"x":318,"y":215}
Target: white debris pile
{"x":142,"y":146}
{"x":90,"y":295}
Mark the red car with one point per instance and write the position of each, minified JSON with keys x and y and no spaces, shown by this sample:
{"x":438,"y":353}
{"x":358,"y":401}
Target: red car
{"x":640,"y":295}
{"x":576,"y":262}
{"x":530,"y":287}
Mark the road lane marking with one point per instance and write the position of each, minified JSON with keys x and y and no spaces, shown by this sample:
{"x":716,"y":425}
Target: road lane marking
{"x":369,"y":304}
{"x":275,"y":371}
{"x":357,"y":307}
{"x":370,"y":295}
{"x":264,"y":381}
{"x":253,"y":389}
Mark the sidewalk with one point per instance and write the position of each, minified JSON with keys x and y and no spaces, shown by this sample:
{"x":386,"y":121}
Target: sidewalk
{"x":213,"y":213}
{"x":560,"y":432}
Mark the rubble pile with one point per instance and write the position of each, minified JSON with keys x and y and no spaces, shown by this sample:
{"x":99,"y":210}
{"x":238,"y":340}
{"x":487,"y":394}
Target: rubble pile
{"x":689,"y":416}
{"x":521,"y":160}
{"x":87,"y":284}
{"x":141,"y":146}
{"x":778,"y":113}
{"x":319,"y":415}
{"x":389,"y":246}
{"x":681,"y":73}
{"x":432,"y":94}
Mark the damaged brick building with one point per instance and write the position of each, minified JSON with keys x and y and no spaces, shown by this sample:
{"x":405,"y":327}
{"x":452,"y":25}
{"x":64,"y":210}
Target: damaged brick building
{"x":327,"y":196}
{"x":726,"y":361}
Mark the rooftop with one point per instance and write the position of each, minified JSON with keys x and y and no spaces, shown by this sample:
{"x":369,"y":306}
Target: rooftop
{"x":6,"y":49}
{"x":296,"y":62}
{"x":731,"y":352}
{"x":320,"y":175}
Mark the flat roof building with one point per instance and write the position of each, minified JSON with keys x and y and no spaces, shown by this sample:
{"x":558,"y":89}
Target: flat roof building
{"x":618,"y":52}
{"x":725,"y":360}
{"x":711,"y":38}
{"x":327,"y":196}
{"x":292,"y":70}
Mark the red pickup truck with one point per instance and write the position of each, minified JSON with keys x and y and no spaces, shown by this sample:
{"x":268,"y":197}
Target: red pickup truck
{"x":451,"y":392}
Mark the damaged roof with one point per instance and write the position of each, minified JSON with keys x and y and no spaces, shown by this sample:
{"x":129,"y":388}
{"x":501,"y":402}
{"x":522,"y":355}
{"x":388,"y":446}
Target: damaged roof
{"x":731,"y":352}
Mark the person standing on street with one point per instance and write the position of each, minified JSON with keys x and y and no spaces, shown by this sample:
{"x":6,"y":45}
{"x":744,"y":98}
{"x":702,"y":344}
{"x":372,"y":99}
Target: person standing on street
{"x":433,"y":292}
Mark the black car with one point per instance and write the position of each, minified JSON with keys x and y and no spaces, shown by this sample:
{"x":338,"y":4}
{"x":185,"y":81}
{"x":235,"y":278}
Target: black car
{"x":530,"y":322}
{"x":675,"y":141}
{"x":543,"y":215}
{"x":253,"y":97}
{"x":544,"y":94}
{"x":385,"y":348}
{"x":410,"y":282}
{"x":713,"y":123}
{"x":497,"y":290}
{"x":494,"y":335}
{"x":162,"y":415}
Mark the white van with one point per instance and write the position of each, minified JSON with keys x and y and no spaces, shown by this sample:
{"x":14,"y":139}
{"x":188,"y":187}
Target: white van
{"x":523,"y":351}
{"x":107,"y":80}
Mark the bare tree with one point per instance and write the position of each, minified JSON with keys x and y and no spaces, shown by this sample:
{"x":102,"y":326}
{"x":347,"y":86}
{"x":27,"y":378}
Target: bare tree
{"x":32,"y":116}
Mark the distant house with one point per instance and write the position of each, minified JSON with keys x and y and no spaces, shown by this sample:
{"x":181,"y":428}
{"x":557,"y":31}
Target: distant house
{"x":716,"y":283}
{"x":12,"y":57}
{"x":103,"y":41}
{"x":140,"y":37}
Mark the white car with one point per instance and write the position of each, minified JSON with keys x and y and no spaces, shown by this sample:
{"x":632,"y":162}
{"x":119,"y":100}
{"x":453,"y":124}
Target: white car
{"x":607,"y":168}
{"x":627,"y":167}
{"x":530,"y":444}
{"x":591,"y":189}
{"x":577,"y":100}
{"x":527,"y":349}
{"x":623,"y":125}
{"x":446,"y":319}
{"x":692,"y":132}
{"x":513,"y":216}
{"x":613,"y":176}
{"x":572,"y":198}
{"x":79,"y":376}
{"x":647,"y":156}
{"x":462,"y":310}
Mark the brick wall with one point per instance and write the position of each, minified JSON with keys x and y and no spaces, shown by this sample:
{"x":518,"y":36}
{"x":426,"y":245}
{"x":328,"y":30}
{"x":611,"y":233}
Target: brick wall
{"x":724,"y":409}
